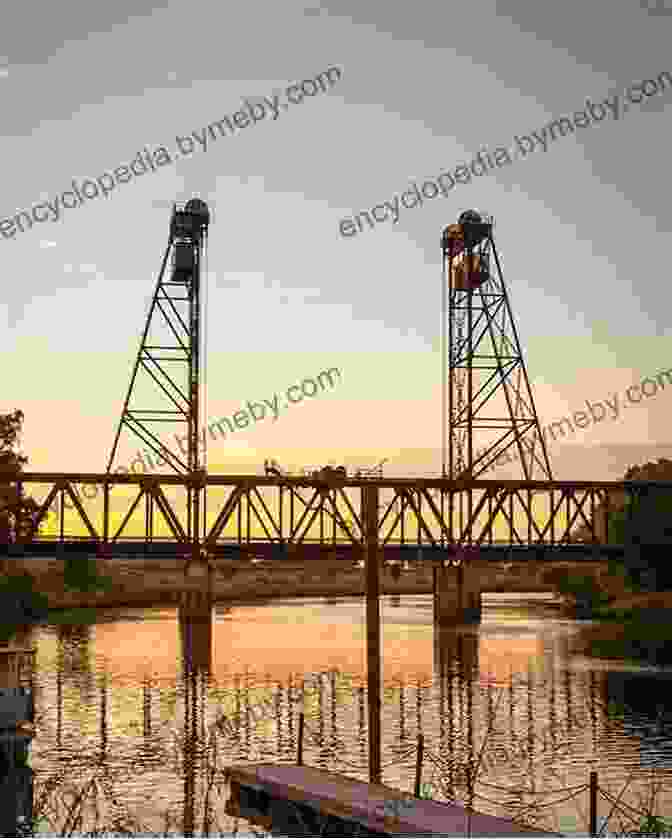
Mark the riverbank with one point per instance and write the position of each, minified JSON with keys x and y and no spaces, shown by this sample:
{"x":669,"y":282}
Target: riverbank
{"x":634,"y":606}
{"x":140,"y":582}
{"x":632,"y":627}
{"x":145,"y":582}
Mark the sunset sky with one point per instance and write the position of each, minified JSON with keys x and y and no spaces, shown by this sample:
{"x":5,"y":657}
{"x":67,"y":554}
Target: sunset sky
{"x":581,"y":229}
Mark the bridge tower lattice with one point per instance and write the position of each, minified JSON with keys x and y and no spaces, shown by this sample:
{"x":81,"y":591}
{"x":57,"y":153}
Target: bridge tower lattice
{"x":167,"y":370}
{"x":483,"y":363}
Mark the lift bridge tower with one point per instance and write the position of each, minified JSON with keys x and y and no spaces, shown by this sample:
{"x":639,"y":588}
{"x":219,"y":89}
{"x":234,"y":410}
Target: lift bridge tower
{"x":484,"y":380}
{"x":165,"y":384}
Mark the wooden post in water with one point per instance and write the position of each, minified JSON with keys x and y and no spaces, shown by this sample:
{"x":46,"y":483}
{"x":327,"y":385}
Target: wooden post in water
{"x":370,"y":520}
{"x":418,"y":767}
{"x":299,"y":756}
{"x":592,"y":828}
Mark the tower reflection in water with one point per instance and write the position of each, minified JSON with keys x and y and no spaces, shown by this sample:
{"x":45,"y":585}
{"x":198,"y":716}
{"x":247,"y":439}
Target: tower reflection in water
{"x":509,"y":728}
{"x":195,"y":619}
{"x":553,"y":716}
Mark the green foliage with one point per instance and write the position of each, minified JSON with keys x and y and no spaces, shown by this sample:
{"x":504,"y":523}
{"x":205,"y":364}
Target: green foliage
{"x":644,"y":527}
{"x":19,"y":582}
{"x":645,"y":635}
{"x":646,"y":521}
{"x":10,"y":431}
{"x":655,"y":826}
{"x":19,"y":603}
{"x":584,"y":589}
{"x":81,"y":575}
{"x":79,"y":615}
{"x":651,"y":520}
{"x":616,"y":615}
{"x":426,"y":791}
{"x":623,"y":567}
{"x":617,"y":533}
{"x":17,"y":511}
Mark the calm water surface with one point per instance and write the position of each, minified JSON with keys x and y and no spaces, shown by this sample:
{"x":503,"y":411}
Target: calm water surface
{"x":127,"y":741}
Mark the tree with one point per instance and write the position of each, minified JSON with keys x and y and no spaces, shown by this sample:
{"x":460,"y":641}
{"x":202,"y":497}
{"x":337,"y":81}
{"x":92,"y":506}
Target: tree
{"x":645,"y":526}
{"x":18,"y":523}
{"x":19,"y":603}
{"x":18,"y":513}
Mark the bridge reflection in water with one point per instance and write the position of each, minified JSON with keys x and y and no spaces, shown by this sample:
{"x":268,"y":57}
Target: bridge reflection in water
{"x":453,"y":691}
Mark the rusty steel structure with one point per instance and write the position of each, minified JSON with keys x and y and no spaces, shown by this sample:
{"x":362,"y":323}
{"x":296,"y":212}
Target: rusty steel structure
{"x":172,"y":338}
{"x":484,"y":378}
{"x":326,"y":509}
{"x":248,"y":510}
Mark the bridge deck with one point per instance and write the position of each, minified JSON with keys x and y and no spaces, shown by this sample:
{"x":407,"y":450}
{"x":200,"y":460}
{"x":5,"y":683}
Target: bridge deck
{"x":277,"y":797}
{"x":305,"y":551}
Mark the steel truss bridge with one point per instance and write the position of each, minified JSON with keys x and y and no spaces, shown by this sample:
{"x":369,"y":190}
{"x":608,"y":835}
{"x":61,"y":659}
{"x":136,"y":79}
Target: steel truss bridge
{"x":193,"y":513}
{"x":320,"y":516}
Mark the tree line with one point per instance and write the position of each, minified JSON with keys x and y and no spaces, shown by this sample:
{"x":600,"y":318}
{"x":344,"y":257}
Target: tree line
{"x":18,"y":512}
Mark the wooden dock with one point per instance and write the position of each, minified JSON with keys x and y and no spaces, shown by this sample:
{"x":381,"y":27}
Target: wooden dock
{"x":303,"y":801}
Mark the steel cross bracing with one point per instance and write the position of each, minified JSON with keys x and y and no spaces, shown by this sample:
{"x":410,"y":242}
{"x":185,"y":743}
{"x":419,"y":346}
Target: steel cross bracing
{"x":299,"y":511}
{"x":489,"y":394}
{"x":172,"y":338}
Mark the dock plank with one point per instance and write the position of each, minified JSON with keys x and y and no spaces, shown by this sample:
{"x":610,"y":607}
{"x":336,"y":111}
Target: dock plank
{"x":371,"y":805}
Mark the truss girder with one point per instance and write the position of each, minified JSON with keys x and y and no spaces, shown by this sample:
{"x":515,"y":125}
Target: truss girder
{"x":169,"y":515}
{"x":230,"y":506}
{"x":288,"y":511}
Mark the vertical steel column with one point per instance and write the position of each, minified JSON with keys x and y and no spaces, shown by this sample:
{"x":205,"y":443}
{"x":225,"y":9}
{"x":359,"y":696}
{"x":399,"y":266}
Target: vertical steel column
{"x":469,"y":263}
{"x":194,"y":400}
{"x":106,"y":512}
{"x":449,"y":349}
{"x":373,"y":645}
{"x":444,"y":371}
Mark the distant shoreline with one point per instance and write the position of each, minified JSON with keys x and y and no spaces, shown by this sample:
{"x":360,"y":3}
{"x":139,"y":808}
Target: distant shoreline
{"x":155,"y":582}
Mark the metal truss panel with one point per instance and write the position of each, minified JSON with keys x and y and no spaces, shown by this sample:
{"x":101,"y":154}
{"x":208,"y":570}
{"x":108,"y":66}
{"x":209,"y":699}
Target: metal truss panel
{"x":260,"y":511}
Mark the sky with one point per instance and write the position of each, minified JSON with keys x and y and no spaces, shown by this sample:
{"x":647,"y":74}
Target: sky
{"x":581,"y":229}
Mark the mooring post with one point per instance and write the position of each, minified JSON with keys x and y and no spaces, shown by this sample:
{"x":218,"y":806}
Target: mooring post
{"x":592,"y":828}
{"x":370,"y":519}
{"x":418,"y":766}
{"x":299,"y":755}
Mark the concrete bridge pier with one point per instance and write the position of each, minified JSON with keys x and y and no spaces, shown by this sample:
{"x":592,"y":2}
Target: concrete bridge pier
{"x":457,"y":596}
{"x":198,"y":569}
{"x":195,"y":603}
{"x":455,"y":651}
{"x":195,"y":621}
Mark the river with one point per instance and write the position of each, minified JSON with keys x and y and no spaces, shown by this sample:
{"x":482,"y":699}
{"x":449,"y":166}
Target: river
{"x":119,"y":728}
